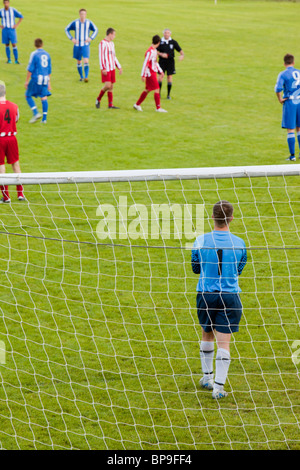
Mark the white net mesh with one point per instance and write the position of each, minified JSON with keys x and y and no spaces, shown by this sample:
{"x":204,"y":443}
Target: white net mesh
{"x":99,"y":337}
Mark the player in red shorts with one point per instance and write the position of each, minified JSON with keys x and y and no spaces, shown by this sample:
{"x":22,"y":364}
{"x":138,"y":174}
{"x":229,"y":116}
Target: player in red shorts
{"x":9,"y":115}
{"x":108,"y":63}
{"x":149,"y":75}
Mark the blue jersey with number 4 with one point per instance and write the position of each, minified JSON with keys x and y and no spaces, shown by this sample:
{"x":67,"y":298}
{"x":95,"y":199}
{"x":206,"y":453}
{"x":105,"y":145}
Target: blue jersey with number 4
{"x":219,"y":257}
{"x":40,"y":66}
{"x":288,"y":81}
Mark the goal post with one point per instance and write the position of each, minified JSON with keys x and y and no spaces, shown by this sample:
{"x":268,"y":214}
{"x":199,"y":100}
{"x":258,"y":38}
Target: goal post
{"x":99,"y":335}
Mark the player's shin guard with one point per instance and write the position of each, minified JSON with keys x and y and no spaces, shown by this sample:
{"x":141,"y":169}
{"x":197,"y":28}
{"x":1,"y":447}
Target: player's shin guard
{"x":7,"y":50}
{"x":16,"y":54}
{"x":5,"y":193}
{"x":110,"y":98}
{"x":20,"y":190}
{"x":142,"y":98}
{"x":207,"y":357}
{"x":222,"y":366}
{"x":45,"y":110}
{"x":291,"y":142}
{"x":102,"y":92}
{"x":31,"y":104}
{"x":79,"y":68}
{"x":157,"y":100}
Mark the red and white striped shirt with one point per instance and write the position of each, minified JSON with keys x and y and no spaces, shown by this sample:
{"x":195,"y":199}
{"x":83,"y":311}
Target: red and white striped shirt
{"x":107,"y":56}
{"x":150,"y":65}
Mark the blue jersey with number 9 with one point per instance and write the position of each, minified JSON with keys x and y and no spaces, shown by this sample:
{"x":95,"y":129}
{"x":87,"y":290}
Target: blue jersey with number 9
{"x":288,"y":81}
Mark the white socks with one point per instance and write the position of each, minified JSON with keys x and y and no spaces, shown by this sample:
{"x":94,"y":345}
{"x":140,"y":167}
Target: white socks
{"x":207,"y":357}
{"x":222,"y":363}
{"x":222,"y":366}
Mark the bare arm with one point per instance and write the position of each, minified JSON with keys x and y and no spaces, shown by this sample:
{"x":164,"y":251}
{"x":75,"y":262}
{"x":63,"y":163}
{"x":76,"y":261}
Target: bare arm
{"x":164,"y":55}
{"x":17,"y":24}
{"x":280,"y":99}
{"x":27,"y":79}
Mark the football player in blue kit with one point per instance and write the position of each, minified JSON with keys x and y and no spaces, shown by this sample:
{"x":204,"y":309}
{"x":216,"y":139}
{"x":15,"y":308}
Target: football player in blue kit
{"x":287,"y":89}
{"x":38,"y":81}
{"x":219,"y":258}
{"x":85,"y":32}
{"x":8,"y":17}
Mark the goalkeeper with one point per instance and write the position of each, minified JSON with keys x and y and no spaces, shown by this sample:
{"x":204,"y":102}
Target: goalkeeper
{"x":219,"y":258}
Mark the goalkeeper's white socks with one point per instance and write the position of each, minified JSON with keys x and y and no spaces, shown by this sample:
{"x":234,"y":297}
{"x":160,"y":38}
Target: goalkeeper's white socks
{"x":207,"y":358}
{"x":222,"y":367}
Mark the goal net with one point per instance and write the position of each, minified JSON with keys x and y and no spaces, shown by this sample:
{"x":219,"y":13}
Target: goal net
{"x":99,"y":335}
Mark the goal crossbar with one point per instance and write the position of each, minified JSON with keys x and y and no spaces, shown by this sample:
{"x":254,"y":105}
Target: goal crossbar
{"x":150,"y":175}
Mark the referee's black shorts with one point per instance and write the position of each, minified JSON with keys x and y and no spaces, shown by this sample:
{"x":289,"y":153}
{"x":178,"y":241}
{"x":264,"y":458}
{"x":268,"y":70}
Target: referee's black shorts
{"x":167,"y":65}
{"x":220,"y":311}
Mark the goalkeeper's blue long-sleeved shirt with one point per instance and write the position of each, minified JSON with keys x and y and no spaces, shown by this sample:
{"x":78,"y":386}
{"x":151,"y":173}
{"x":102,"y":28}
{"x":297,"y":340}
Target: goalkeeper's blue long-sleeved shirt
{"x":219,"y":257}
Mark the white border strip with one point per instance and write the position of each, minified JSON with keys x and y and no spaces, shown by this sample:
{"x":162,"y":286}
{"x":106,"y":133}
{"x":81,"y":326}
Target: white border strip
{"x":150,"y":175}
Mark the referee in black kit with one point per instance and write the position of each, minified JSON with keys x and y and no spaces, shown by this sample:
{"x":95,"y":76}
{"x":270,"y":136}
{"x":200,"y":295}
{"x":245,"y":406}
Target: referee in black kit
{"x":166,"y":52}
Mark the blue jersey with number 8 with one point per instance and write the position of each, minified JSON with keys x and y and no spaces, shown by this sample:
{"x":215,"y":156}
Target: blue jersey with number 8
{"x":40,"y":66}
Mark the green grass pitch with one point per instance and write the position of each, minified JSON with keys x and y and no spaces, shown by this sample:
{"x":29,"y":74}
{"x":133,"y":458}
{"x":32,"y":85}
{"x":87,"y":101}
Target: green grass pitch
{"x":102,"y":343}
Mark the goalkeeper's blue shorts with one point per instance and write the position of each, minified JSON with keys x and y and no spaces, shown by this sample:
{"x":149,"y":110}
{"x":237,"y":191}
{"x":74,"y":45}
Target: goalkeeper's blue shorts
{"x":290,"y":114}
{"x":220,"y":311}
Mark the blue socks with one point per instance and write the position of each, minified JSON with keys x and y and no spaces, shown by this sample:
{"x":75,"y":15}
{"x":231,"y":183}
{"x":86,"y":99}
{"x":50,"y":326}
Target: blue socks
{"x":32,"y":105}
{"x":34,"y":109}
{"x":15,"y":51}
{"x":79,"y":68}
{"x":86,"y":70}
{"x":45,"y":110}
{"x":291,"y":142}
{"x":7,"y":50}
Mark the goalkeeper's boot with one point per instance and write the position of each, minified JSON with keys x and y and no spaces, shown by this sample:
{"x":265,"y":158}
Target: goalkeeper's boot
{"x":208,"y":384}
{"x":291,"y":158}
{"x":219,"y":393}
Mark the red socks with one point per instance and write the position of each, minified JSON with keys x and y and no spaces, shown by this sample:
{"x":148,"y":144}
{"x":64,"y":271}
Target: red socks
{"x":144,"y":95}
{"x":142,"y":98}
{"x":157,"y":100}
{"x":100,"y":95}
{"x":20,"y":190}
{"x":110,"y":98}
{"x":5,"y":192}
